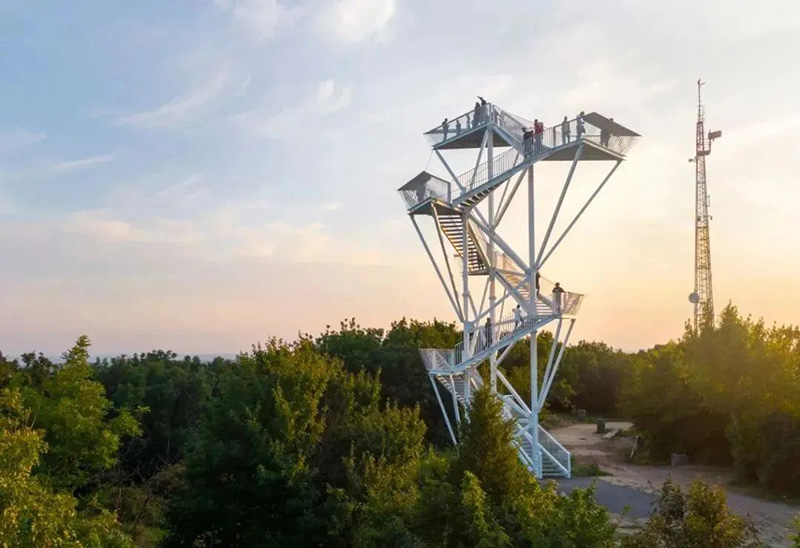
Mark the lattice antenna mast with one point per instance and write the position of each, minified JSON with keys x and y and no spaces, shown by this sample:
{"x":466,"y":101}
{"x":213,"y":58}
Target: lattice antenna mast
{"x":703,"y":295}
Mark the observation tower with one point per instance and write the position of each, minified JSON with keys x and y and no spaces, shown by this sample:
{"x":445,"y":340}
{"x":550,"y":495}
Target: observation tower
{"x":485,"y":278}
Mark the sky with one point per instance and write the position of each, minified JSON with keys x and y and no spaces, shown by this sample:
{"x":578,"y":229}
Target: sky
{"x":201,"y":175}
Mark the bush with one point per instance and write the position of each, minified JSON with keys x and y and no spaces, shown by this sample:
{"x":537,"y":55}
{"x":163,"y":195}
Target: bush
{"x":699,"y":518}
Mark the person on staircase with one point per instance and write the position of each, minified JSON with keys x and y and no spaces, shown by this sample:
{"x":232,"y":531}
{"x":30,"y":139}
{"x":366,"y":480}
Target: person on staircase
{"x":558,"y":293}
{"x":527,"y":142}
{"x":488,"y":332}
{"x":517,"y":317}
{"x":538,"y":131}
{"x":565,"y":131}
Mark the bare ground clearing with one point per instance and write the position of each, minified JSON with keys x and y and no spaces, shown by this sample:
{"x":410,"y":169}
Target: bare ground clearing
{"x":634,"y":486}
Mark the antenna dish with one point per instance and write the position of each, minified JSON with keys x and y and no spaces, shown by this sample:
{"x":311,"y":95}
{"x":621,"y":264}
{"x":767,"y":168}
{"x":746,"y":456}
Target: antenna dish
{"x":694,"y":298}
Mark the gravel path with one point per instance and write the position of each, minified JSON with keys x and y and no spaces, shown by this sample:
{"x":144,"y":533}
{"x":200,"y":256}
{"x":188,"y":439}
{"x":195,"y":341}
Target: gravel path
{"x":635,"y":486}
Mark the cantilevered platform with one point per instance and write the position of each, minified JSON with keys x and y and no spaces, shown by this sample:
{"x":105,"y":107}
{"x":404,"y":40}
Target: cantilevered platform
{"x":597,"y":137}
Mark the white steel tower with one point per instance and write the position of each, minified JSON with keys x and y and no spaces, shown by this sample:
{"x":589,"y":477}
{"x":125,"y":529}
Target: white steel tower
{"x":466,"y":211}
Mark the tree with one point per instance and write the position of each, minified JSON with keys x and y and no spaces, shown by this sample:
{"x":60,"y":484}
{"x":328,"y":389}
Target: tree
{"x":394,"y":355}
{"x":660,"y":397}
{"x":294,"y":450}
{"x":31,"y":514}
{"x":80,"y":425}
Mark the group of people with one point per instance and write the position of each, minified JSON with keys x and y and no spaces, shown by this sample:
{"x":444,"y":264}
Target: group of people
{"x":479,"y":116}
{"x":531,"y":137}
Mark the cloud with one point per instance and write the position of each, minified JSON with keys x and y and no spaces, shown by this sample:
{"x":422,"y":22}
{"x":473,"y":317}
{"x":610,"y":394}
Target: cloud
{"x":261,"y":17}
{"x":15,"y":139}
{"x":97,"y":223}
{"x":192,"y":104}
{"x":356,"y":20}
{"x":85,"y":163}
{"x":292,"y":122}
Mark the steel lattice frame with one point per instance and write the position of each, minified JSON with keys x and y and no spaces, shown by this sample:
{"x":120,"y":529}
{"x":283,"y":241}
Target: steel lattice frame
{"x":511,"y":278}
{"x":703,"y":289}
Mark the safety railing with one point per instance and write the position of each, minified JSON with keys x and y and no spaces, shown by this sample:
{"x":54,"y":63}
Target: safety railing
{"x":479,"y":176}
{"x":425,"y":189}
{"x":555,"y":449}
{"x":487,"y":335}
{"x":566,"y":303}
{"x":620,"y":144}
{"x":437,"y":358}
{"x":473,"y":119}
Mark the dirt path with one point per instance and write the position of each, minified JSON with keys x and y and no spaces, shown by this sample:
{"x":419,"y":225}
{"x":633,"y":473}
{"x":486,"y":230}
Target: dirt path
{"x":635,"y":486}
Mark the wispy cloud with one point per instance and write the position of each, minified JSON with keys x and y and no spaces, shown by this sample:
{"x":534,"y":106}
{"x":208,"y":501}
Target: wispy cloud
{"x":357,"y":20}
{"x":193,"y":103}
{"x":292,"y":122}
{"x":261,"y":17}
{"x":84,"y":163}
{"x":15,"y":139}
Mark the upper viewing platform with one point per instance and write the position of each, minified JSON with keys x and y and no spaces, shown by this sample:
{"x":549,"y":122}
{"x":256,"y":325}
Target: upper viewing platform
{"x":596,"y":137}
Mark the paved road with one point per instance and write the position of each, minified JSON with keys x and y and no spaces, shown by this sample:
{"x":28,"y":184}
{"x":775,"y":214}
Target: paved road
{"x":613,"y":497}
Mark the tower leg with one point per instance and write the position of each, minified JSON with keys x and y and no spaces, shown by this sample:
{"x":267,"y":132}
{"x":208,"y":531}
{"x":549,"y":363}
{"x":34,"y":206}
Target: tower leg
{"x":533,"y":421}
{"x":492,"y":261}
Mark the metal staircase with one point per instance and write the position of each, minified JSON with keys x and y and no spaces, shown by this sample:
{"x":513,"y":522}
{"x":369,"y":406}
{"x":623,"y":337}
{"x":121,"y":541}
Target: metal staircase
{"x":510,"y":274}
{"x":555,"y":459}
{"x":451,"y":222}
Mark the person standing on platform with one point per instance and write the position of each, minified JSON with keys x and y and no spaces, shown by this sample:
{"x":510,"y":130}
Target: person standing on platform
{"x":558,"y":293}
{"x":476,"y":114}
{"x":565,"y":131}
{"x":580,"y":128}
{"x":458,"y":126}
{"x":445,"y":127}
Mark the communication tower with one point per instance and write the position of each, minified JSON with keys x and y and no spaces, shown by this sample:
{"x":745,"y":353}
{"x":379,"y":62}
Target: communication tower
{"x":703,"y":295}
{"x":512,"y":301}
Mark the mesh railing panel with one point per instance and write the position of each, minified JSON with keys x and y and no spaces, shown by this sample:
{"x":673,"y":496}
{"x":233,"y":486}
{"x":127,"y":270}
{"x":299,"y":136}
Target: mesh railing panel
{"x":473,"y":119}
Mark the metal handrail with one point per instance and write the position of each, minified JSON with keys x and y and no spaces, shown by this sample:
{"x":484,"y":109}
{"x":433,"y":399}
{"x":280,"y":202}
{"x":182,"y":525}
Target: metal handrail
{"x":555,"y":449}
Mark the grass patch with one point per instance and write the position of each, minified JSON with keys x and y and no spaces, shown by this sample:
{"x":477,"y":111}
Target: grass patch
{"x":587,"y":470}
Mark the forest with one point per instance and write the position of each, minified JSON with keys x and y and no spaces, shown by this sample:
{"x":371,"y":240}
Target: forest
{"x":337,"y":440}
